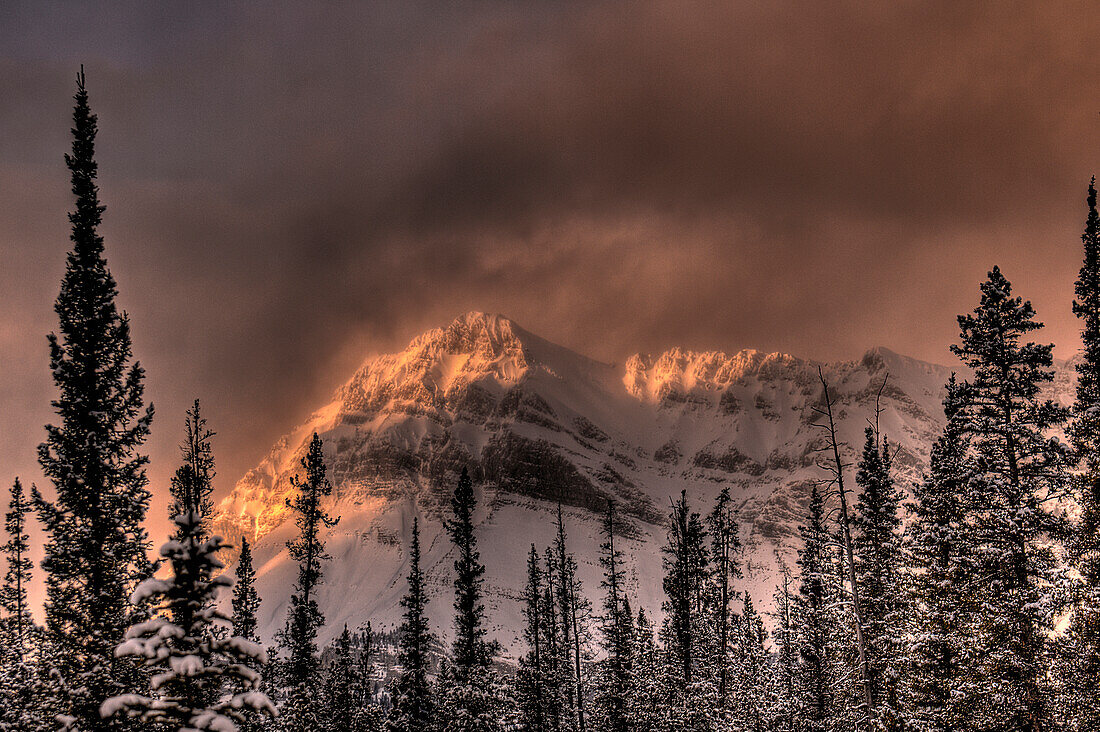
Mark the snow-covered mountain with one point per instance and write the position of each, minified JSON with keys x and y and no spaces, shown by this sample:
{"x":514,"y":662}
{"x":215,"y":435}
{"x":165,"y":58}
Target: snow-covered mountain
{"x":539,"y":424}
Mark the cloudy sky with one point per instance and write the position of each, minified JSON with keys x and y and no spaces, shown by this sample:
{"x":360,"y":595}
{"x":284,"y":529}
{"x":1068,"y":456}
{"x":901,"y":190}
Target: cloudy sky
{"x":291,"y":188}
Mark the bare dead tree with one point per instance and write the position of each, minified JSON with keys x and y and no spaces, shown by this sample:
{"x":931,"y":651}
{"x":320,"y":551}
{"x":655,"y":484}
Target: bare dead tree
{"x":836,"y":469}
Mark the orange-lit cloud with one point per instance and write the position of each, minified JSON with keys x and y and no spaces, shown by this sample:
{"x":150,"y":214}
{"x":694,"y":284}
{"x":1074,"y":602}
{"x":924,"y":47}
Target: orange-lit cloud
{"x":290,"y":189}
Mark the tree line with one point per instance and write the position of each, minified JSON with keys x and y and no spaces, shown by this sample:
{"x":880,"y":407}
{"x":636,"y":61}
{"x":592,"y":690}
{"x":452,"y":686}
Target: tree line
{"x":972,"y":607}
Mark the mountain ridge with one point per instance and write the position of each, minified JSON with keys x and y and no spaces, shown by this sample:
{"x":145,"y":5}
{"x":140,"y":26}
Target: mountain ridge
{"x":537,"y":425}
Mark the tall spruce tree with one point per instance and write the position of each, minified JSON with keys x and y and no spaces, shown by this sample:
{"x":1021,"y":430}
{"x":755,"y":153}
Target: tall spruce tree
{"x":1080,"y":662}
{"x":686,"y":567}
{"x":575,"y":612}
{"x":556,"y":661}
{"x":470,"y":648}
{"x":413,"y":705}
{"x":304,"y":617}
{"x":95,"y":553}
{"x":471,"y":694}
{"x":646,"y":694}
{"x":246,"y":601}
{"x":812,"y":704}
{"x":940,"y":681}
{"x":1022,"y":469}
{"x":532,"y":673}
{"x":192,"y":484}
{"x":18,"y":625}
{"x":752,"y":707}
{"x":616,"y":627}
{"x":725,"y":545}
{"x":878,"y":558}
{"x":783,"y":714}
{"x":18,"y":633}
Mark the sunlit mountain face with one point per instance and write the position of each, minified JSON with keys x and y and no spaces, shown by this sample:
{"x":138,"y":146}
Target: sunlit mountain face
{"x":539,"y":426}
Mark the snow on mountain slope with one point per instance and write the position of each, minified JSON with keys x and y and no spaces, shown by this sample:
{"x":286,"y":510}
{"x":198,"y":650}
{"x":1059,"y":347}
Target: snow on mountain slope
{"x":538,"y":424}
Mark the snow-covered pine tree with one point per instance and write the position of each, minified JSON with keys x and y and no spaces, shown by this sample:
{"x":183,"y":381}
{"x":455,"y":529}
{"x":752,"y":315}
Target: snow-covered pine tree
{"x":193,"y":482}
{"x":575,"y":612}
{"x":413,"y":705}
{"x":1023,"y":468}
{"x":783,"y":711}
{"x":363,"y":688}
{"x":616,"y":629}
{"x":811,"y":683}
{"x":646,"y":692}
{"x":1079,"y":664}
{"x":878,"y":557}
{"x":301,"y":708}
{"x":95,"y":553}
{"x":18,"y":625}
{"x":470,"y":647}
{"x":180,"y":647}
{"x":556,"y":662}
{"x":688,"y":633}
{"x":470,"y":693}
{"x":847,"y":710}
{"x":344,"y":707}
{"x":686,"y":571}
{"x":246,"y":601}
{"x":18,"y":632}
{"x":940,"y":680}
{"x":725,"y":545}
{"x":531,"y":691}
{"x":751,"y":705}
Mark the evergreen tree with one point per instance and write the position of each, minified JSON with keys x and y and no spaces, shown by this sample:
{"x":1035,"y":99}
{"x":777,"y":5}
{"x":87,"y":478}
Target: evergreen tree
{"x":575,"y":612}
{"x":686,"y":564}
{"x":474,"y":700}
{"x":304,"y":617}
{"x":181,"y":647}
{"x":1022,"y":469}
{"x":1080,"y":662}
{"x":847,"y":707}
{"x":413,"y":705}
{"x":811,"y":687}
{"x":725,"y":545}
{"x":95,"y":553}
{"x":616,"y":626}
{"x":18,"y":633}
{"x":246,"y":601}
{"x":365,"y":666}
{"x":752,"y":708}
{"x":531,"y":689}
{"x":878,"y":563}
{"x":646,"y":694}
{"x":783,"y":711}
{"x":471,"y":695}
{"x":193,"y":482}
{"x":470,"y":648}
{"x":939,"y":692}
{"x":556,"y":663}
{"x":345,"y":710}
{"x":17,"y":622}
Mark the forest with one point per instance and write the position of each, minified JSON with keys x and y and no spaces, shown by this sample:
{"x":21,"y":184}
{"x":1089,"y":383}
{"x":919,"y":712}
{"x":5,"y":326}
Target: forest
{"x":967,"y":602}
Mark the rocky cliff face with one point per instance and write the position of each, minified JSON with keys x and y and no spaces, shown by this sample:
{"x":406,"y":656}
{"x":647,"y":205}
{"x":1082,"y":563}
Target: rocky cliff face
{"x":539,"y":425}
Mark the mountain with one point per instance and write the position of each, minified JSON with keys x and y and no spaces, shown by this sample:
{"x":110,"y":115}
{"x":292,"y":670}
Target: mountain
{"x":538,"y":424}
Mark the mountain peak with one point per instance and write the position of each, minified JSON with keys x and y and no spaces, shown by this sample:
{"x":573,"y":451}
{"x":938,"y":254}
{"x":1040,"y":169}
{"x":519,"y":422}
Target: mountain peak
{"x":682,"y":370}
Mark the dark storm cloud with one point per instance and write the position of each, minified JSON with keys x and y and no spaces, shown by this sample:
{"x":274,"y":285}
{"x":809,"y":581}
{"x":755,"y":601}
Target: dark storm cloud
{"x":291,"y":188}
